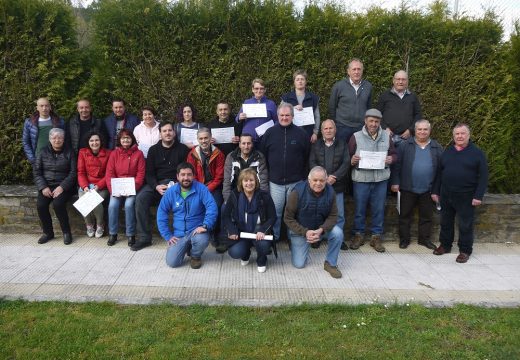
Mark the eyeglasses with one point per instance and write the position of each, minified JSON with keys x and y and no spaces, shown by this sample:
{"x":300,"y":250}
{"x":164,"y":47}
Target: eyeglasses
{"x":259,"y":88}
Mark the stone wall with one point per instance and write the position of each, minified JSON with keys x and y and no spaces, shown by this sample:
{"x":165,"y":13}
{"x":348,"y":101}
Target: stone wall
{"x":498,"y":219}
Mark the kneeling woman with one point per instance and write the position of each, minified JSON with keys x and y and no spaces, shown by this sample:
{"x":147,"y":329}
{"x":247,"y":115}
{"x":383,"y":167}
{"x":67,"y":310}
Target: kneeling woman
{"x":250,"y":210}
{"x":126,"y":161}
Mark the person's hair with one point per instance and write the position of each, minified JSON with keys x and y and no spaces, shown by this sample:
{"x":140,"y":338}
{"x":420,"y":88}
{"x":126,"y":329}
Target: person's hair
{"x":259,"y":81}
{"x":248,"y":172}
{"x":300,"y":72}
{"x":56,"y":131}
{"x":398,"y":71}
{"x":150,"y":109}
{"x":179,"y":115}
{"x":164,"y":123}
{"x":125,"y":132}
{"x":225,"y":102}
{"x":285,"y":105}
{"x":422,"y":121}
{"x":459,"y":125}
{"x":246,"y":135}
{"x":118,"y":99}
{"x":93,"y":133}
{"x":328,"y":120}
{"x":185,"y":165}
{"x":355,"y":60}
{"x":203,"y":130}
{"x":82,"y":99}
{"x":317,"y":169}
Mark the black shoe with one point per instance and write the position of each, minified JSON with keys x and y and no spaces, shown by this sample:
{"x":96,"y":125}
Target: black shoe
{"x":344,"y":246}
{"x":139,"y":245}
{"x":67,"y":238}
{"x":131,"y":241}
{"x":112,"y":239}
{"x":428,"y":244}
{"x":403,"y":244}
{"x":44,"y":238}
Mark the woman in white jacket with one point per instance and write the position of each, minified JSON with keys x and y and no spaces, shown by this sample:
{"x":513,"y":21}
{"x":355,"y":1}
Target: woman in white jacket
{"x":147,"y":132}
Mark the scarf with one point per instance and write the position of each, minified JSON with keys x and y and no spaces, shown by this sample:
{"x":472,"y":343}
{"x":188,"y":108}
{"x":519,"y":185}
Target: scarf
{"x":249,"y":208}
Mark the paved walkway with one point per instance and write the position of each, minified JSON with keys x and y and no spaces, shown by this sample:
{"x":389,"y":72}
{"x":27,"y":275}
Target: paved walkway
{"x":88,"y":270}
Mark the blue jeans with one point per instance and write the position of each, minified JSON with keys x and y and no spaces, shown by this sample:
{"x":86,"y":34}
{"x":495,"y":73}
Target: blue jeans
{"x":375,"y":193}
{"x":176,"y":252}
{"x":340,"y":203}
{"x":344,"y":133}
{"x":241,"y":249}
{"x":279,"y":194}
{"x":113,"y":214}
{"x":300,"y":247}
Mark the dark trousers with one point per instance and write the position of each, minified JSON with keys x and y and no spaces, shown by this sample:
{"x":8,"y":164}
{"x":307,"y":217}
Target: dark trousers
{"x":408,"y":202}
{"x":60,"y":209}
{"x":241,"y":249}
{"x":344,"y":133}
{"x":457,"y":204}
{"x":146,"y":198}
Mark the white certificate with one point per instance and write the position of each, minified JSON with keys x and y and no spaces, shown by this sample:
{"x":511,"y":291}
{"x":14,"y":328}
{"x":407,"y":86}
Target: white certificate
{"x":246,"y":235}
{"x":88,"y":202}
{"x":304,"y":117}
{"x":223,"y":135}
{"x":255,"y":110}
{"x":189,"y":136}
{"x":263,"y":128}
{"x":372,"y":159}
{"x":123,"y":186}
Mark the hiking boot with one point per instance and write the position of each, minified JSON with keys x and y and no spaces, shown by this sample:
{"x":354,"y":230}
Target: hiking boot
{"x":357,"y":241}
{"x":375,"y":242}
{"x":195,"y":263}
{"x":332,"y":270}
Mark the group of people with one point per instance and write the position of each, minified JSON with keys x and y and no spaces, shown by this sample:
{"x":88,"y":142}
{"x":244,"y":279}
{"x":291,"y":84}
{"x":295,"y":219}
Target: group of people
{"x":236,"y":179}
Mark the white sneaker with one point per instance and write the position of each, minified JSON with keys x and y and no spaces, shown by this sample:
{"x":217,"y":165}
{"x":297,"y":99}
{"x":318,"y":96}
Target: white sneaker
{"x":90,"y":231}
{"x":244,"y":262}
{"x":99,"y":231}
{"x":261,"y":269}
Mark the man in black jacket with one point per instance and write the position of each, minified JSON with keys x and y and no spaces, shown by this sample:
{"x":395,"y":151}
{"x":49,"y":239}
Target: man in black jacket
{"x":82,"y":124}
{"x":225,"y":120}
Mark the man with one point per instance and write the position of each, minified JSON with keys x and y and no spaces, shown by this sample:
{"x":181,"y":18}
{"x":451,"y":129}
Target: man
{"x":349,"y":100}
{"x":310,"y":213}
{"x":245,"y":156}
{"x":37,"y":127}
{"x":370,"y":178}
{"x":400,"y":108}
{"x":333,"y":156}
{"x":464,"y":179}
{"x":161,"y":165}
{"x":82,"y":124}
{"x":286,"y":148}
{"x":225,"y":120}
{"x":119,"y":119}
{"x":194,"y":215}
{"x":415,"y":174}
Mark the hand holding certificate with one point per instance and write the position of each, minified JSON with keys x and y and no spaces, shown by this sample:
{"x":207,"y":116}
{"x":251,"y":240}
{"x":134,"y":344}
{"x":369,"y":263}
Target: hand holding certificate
{"x":123,"y":186}
{"x":255,"y":110}
{"x":189,"y":136}
{"x":223,"y":135}
{"x":373,"y":160}
{"x":304,"y":117}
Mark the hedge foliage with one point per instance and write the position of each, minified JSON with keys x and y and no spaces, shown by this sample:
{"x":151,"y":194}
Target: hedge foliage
{"x":160,"y":53}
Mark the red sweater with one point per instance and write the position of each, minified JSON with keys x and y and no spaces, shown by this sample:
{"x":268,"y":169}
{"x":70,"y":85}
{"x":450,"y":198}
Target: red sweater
{"x":91,"y":169}
{"x":216,"y":167}
{"x":126,"y":163}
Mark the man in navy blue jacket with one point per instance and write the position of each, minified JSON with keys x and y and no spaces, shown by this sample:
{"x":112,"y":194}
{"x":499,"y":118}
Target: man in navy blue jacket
{"x":464,"y":179}
{"x":119,"y":119}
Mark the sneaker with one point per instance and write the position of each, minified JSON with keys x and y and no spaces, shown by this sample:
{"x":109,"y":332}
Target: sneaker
{"x":357,"y":241}
{"x":244,"y":262}
{"x":90,"y":231}
{"x":195,"y":263}
{"x":376,"y":243}
{"x":100,"y":230}
{"x":332,"y":270}
{"x":262,"y":269}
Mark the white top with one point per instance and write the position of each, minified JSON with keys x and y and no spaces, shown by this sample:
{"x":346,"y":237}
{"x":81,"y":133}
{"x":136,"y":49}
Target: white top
{"x":146,"y":137}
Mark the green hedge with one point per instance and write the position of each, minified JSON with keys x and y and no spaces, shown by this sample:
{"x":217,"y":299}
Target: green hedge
{"x":160,"y":53}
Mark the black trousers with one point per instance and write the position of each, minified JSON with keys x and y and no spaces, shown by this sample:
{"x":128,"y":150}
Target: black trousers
{"x":457,"y":204}
{"x":60,"y":209}
{"x":409,"y":201}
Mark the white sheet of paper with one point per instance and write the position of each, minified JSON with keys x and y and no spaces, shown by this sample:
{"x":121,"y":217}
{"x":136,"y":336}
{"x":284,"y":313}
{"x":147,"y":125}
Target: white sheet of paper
{"x":255,"y":110}
{"x":246,"y":235}
{"x":398,"y":204}
{"x":372,"y":159}
{"x":223,"y":135}
{"x":123,"y":186}
{"x":88,"y":202}
{"x":263,"y":128}
{"x":189,"y":136}
{"x":304,"y":117}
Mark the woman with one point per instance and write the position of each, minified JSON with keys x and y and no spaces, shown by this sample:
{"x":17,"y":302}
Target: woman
{"x":300,"y":99}
{"x":147,"y":132}
{"x":250,"y":124}
{"x":126,"y":161}
{"x":250,"y":210}
{"x":186,"y":117}
{"x":92,"y":165}
{"x":55,"y":177}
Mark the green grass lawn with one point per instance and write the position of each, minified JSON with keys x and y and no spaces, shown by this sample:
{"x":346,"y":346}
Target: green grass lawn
{"x":58,"y":330}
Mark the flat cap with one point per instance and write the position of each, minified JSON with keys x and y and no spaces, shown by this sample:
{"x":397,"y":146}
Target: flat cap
{"x":374,"y":113}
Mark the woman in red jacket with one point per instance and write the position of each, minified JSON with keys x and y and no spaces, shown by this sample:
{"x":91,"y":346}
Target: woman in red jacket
{"x":92,"y":165}
{"x":126,"y":161}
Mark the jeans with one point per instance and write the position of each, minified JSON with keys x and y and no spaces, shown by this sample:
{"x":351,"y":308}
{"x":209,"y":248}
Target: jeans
{"x":60,"y":209}
{"x":96,"y":216}
{"x":408,"y":202}
{"x":344,"y":133}
{"x":375,"y":194}
{"x":113,"y":214}
{"x":146,"y":198}
{"x":279,"y":194}
{"x":176,"y":252}
{"x":340,"y":203}
{"x":458,"y":204}
{"x":300,"y":247}
{"x":241,"y":249}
